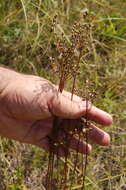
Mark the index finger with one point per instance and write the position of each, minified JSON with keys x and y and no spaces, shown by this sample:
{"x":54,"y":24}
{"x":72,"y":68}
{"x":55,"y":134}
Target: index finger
{"x":99,"y":116}
{"x":89,"y":111}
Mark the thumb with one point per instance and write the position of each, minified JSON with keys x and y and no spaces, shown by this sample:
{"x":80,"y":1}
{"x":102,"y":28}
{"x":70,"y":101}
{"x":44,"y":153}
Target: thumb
{"x":65,"y":108}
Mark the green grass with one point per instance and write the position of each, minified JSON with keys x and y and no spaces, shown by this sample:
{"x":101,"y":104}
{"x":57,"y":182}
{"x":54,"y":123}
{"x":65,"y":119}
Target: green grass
{"x":26,"y":44}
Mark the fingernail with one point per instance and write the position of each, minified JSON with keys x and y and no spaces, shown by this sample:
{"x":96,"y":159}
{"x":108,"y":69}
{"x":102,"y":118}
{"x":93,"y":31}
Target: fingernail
{"x":89,"y":148}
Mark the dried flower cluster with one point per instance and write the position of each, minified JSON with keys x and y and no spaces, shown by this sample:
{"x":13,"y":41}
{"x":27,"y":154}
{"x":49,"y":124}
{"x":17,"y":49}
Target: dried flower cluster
{"x":70,"y":54}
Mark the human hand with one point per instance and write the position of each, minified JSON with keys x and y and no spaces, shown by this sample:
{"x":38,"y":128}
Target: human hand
{"x":29,"y":105}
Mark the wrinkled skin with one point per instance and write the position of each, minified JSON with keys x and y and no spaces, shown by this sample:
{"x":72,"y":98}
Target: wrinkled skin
{"x":30,"y":103}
